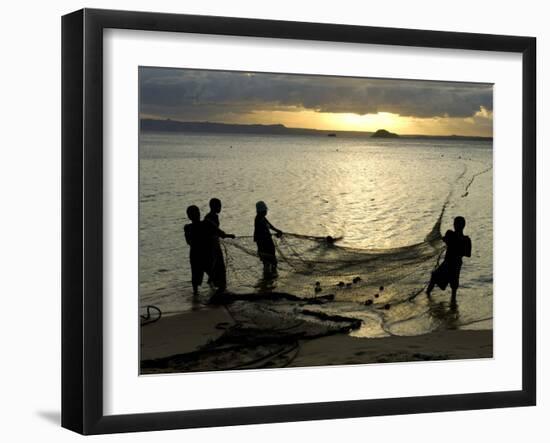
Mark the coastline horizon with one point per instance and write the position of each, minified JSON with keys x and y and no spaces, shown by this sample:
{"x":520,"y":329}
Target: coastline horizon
{"x":212,"y":127}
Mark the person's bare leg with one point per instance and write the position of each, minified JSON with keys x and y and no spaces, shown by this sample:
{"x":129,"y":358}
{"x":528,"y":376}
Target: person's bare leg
{"x":453,"y":297}
{"x":430,"y":288}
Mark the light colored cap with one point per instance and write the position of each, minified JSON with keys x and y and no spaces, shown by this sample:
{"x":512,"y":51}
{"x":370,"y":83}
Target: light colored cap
{"x":261,"y":206}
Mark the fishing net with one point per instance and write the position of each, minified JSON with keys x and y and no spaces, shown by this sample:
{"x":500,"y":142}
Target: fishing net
{"x":312,"y":266}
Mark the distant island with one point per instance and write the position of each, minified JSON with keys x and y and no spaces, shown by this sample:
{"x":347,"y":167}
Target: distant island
{"x":168,"y":125}
{"x":382,"y":133}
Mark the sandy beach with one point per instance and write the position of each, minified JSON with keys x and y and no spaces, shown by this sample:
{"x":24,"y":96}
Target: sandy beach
{"x":205,"y":340}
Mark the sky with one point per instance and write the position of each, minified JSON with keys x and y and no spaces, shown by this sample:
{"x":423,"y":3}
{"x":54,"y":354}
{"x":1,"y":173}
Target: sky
{"x":317,"y":102}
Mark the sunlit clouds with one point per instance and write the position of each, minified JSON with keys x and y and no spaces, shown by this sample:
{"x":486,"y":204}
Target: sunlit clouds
{"x":317,"y":102}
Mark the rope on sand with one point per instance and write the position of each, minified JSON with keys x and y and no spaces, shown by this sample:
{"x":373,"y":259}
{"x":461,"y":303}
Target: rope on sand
{"x":146,"y":319}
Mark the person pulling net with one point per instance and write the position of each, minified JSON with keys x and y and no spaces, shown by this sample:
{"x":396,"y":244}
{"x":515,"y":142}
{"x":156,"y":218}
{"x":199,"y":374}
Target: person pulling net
{"x":264,"y":240}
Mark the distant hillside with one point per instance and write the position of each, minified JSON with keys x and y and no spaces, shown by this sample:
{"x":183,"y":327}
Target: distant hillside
{"x":151,"y":125}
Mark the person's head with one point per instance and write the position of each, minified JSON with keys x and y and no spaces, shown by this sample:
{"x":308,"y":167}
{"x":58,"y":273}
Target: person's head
{"x":215,"y":205}
{"x":459,"y":223}
{"x":261,"y":208}
{"x":193,"y":213}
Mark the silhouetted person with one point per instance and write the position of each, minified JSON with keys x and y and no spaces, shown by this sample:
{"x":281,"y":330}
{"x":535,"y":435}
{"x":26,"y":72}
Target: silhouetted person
{"x":196,"y":236}
{"x":263,"y":239}
{"x":448,"y":273}
{"x":216,"y":263}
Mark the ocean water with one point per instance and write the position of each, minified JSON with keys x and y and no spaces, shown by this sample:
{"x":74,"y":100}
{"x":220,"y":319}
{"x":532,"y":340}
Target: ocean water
{"x":387,"y":200}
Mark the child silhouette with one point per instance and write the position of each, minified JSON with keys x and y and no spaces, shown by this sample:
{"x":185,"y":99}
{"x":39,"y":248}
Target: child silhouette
{"x":196,"y":237}
{"x":216,"y":263}
{"x":448,"y":273}
{"x":264,"y":242}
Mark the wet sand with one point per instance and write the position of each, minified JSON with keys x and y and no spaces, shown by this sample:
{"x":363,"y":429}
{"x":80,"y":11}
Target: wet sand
{"x":183,"y":333}
{"x":439,"y":345}
{"x":196,"y":341}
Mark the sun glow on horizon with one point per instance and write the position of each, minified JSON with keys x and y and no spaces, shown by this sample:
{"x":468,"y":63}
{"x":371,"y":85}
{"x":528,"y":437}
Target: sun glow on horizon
{"x":479,"y":125}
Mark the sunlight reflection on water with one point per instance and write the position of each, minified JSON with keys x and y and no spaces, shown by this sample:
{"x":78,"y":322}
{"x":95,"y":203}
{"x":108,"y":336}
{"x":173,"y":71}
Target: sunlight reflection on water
{"x":375,"y":193}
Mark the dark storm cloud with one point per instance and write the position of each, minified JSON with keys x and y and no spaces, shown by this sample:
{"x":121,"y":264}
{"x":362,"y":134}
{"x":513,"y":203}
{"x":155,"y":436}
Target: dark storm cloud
{"x":203,"y":94}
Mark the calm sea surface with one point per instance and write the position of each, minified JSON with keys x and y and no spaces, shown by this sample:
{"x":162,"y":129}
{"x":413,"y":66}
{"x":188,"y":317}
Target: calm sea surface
{"x":378,"y":195}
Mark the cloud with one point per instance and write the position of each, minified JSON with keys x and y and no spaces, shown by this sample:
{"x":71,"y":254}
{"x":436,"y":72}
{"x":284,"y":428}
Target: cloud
{"x":203,"y":95}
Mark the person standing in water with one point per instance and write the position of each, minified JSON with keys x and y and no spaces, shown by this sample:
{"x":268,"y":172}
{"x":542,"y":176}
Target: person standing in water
{"x":448,"y":273}
{"x":197,"y":239}
{"x":216,"y":263}
{"x":264,"y":242}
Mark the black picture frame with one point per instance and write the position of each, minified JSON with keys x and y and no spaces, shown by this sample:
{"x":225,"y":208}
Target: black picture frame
{"x":82,"y":219}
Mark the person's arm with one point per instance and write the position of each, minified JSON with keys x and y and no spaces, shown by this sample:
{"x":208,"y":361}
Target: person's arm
{"x":448,"y":236}
{"x":467,"y":247}
{"x":222,"y":234}
{"x":256,"y":229}
{"x":216,"y":230}
{"x":187,"y":234}
{"x":273,"y":228}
